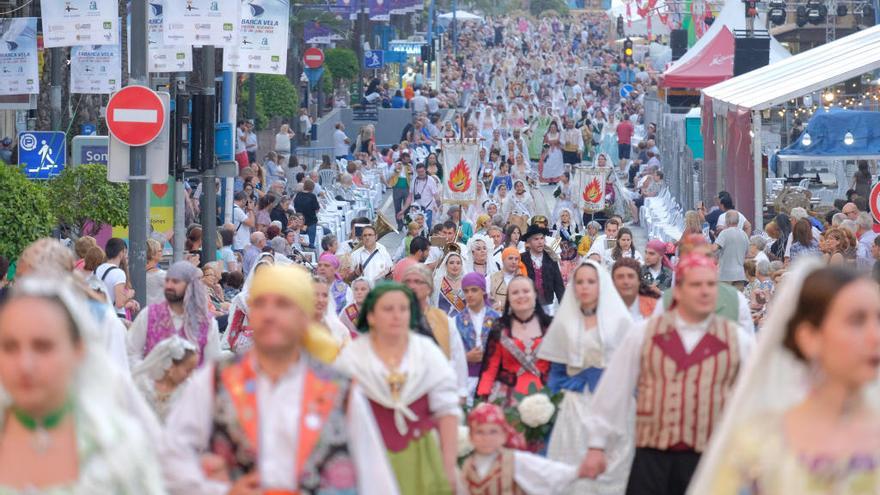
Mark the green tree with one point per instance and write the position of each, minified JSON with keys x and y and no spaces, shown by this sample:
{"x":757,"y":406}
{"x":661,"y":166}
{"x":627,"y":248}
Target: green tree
{"x":276,"y":97}
{"x":537,"y":7}
{"x":83,"y":194}
{"x":25,"y":215}
{"x":342,"y":64}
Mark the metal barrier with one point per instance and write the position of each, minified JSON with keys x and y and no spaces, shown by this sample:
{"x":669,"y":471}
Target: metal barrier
{"x":677,"y":161}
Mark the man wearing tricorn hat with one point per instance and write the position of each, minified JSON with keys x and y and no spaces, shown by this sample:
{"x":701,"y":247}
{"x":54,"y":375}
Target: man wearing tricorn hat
{"x":541,"y":268}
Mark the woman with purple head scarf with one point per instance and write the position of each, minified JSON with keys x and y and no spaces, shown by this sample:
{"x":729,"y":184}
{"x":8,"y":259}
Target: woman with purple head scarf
{"x":340,"y":292}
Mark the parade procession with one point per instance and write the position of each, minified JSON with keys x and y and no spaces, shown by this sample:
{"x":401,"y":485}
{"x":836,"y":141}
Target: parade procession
{"x":429,"y":247}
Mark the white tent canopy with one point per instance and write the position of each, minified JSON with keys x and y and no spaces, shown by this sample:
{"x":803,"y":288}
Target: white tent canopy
{"x":804,"y":73}
{"x":732,"y":15}
{"x":461,"y":15}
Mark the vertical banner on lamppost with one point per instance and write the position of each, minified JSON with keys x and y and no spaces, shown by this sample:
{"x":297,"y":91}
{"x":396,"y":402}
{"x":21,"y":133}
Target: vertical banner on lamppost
{"x":262,"y":38}
{"x":201,"y":22}
{"x":379,"y":10}
{"x":19,"y":74}
{"x":461,"y":161}
{"x":95,"y":69}
{"x":80,"y":22}
{"x":162,"y":57}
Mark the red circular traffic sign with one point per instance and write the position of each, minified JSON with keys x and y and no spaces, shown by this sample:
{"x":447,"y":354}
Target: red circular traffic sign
{"x":135,"y":115}
{"x":313,"y":58}
{"x":875,"y":198}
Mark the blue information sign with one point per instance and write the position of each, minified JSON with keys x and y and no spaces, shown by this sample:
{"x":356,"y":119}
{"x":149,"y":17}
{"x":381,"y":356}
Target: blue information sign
{"x":374,"y":59}
{"x":625,"y":90}
{"x":42,"y":154}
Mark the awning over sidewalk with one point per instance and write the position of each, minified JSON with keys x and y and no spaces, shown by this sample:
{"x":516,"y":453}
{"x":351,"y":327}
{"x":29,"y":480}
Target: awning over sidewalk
{"x":802,"y":74}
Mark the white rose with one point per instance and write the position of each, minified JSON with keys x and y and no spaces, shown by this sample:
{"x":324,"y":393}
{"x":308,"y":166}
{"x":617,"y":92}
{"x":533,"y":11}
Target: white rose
{"x":536,"y":410}
{"x":464,"y":441}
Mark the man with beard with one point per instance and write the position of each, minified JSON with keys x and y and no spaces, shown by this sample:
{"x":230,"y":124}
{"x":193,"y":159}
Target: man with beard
{"x":183,"y":313}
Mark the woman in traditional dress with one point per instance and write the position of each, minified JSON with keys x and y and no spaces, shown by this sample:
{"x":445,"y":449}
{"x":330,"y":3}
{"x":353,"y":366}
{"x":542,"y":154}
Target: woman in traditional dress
{"x":411,"y":389}
{"x":538,"y":128}
{"x":805,"y":414}
{"x":520,"y":203}
{"x":590,"y":323}
{"x":521,"y":169}
{"x":360,"y":287}
{"x":567,"y":231}
{"x":511,"y":364}
{"x":325,"y":312}
{"x":62,"y":430}
{"x":480,"y":246}
{"x":502,"y":177}
{"x":552,"y":165}
{"x":160,"y":376}
{"x":625,"y":247}
{"x":563,"y":194}
{"x":448,"y":295}
{"x":237,"y":338}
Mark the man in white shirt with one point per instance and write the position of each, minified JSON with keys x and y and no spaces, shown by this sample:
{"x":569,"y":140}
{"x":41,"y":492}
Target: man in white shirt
{"x":600,"y":250}
{"x":732,"y":244}
{"x":306,"y":418}
{"x":371,"y":260}
{"x":251,"y":142}
{"x":696,"y":358}
{"x":419,"y":103}
{"x":114,"y":277}
{"x":242,"y":220}
{"x":340,"y":142}
{"x":424,"y":193}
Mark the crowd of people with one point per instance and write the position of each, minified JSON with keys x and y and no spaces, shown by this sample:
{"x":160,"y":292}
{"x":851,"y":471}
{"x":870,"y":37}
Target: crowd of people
{"x":517,"y":344}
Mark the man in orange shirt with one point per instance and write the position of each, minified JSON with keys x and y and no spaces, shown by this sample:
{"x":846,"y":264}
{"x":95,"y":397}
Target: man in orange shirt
{"x":418,"y":253}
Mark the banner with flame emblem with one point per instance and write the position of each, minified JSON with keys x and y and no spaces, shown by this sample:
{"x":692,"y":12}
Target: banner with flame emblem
{"x":589,"y":188}
{"x":461,"y":163}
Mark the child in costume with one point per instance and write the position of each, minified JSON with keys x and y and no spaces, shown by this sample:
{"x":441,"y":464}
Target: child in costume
{"x":496,"y":468}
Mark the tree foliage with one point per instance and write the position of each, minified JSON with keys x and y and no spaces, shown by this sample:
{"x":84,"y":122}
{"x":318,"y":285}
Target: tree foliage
{"x":25,"y":215}
{"x":82,"y":195}
{"x":276,"y":97}
{"x":342,"y":63}
{"x":537,"y":7}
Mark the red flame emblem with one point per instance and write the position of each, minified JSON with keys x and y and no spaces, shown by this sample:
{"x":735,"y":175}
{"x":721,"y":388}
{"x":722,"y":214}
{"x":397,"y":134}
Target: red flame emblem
{"x":593,"y":192}
{"x":460,"y":177}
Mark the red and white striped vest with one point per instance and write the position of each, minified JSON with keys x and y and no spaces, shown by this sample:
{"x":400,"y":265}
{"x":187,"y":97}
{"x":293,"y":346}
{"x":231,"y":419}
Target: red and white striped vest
{"x":681,"y":395}
{"x":499,"y":480}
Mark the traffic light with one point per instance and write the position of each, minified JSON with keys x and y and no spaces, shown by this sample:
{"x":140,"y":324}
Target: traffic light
{"x":627,"y":51}
{"x":751,"y":9}
{"x":620,"y":32}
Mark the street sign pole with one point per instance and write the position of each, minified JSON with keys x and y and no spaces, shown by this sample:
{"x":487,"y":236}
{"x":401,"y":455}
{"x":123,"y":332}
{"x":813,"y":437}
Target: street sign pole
{"x":209,"y":171}
{"x":138,"y":183}
{"x":179,"y":149}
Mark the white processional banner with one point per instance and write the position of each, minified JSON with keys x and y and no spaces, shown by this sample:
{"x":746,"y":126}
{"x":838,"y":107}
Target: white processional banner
{"x":80,"y":22}
{"x":589,"y":188}
{"x":162,"y":57}
{"x":461,"y":162}
{"x":19,"y":68}
{"x":95,"y":69}
{"x":201,"y":22}
{"x":262,"y":38}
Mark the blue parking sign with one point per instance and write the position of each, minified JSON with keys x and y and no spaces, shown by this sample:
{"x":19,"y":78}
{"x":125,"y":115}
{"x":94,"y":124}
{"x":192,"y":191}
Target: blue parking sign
{"x":374,"y":59}
{"x":42,"y":154}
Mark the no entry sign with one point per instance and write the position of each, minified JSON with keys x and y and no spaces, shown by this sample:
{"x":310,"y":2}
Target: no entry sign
{"x":875,"y":202}
{"x":313,"y":58}
{"x":135,"y":115}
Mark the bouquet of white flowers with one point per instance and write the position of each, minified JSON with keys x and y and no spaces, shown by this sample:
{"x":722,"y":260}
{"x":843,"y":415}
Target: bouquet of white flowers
{"x":536,"y":410}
